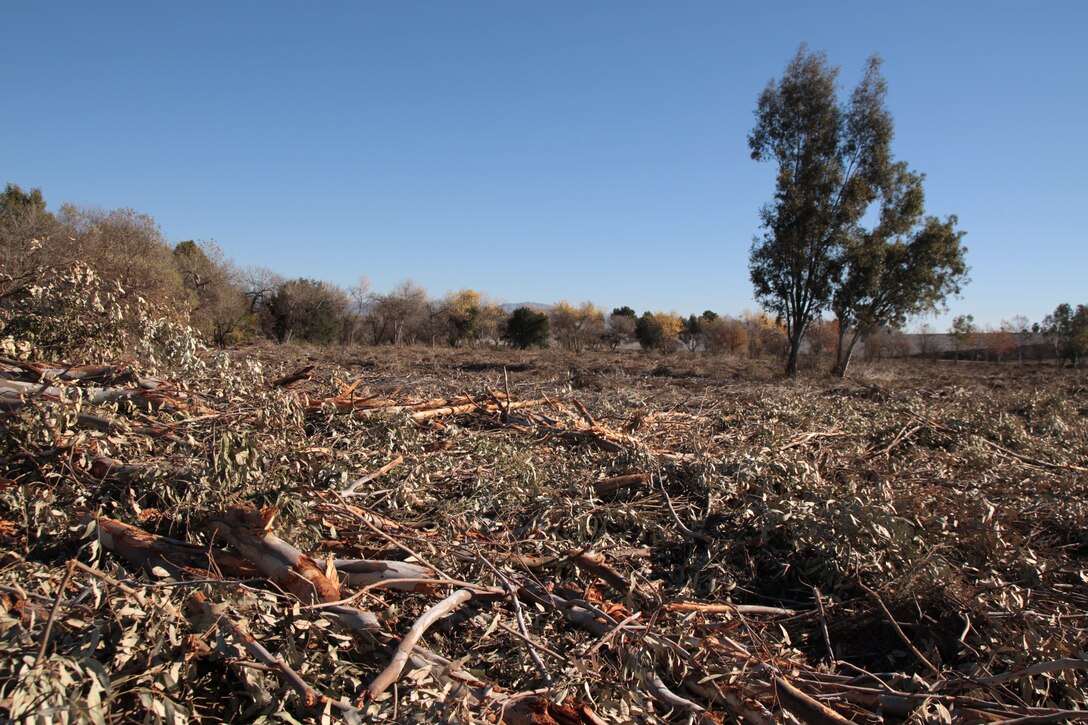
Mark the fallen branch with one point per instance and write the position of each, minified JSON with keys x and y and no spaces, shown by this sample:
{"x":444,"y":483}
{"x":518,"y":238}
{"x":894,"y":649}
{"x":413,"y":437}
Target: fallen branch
{"x":393,"y":670}
{"x":247,"y":530}
{"x":199,"y":603}
{"x":350,"y":490}
{"x":609,"y":486}
{"x":729,"y":609}
{"x":367,"y":572}
{"x":807,"y":709}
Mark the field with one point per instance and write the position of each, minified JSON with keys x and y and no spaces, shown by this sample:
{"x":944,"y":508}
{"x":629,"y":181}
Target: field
{"x":608,"y":537}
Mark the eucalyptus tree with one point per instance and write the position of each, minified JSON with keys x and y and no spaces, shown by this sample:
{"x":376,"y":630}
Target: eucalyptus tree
{"x":834,"y":163}
{"x":905,"y":265}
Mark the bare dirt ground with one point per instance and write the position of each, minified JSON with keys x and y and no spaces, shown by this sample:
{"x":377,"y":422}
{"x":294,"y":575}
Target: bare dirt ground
{"x":605,"y":537}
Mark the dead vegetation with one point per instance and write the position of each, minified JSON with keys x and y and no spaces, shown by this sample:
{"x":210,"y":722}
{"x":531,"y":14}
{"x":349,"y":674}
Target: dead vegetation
{"x":492,"y":536}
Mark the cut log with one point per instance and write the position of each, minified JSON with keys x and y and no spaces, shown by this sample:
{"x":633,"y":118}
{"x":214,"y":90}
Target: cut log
{"x":299,"y":375}
{"x":400,"y":658}
{"x":364,"y":572}
{"x":247,"y":531}
{"x":146,"y":550}
{"x":609,"y":486}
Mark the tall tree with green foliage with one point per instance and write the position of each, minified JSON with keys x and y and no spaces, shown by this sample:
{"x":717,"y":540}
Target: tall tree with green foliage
{"x":906,"y":264}
{"x":832,"y":158}
{"x":306,"y":310}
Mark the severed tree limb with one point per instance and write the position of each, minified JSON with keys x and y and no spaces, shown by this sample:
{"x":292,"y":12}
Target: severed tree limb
{"x":366,"y":572}
{"x":53,"y":613}
{"x":595,"y":564}
{"x":351,"y":490}
{"x":393,"y":670}
{"x":1039,"y":668}
{"x":747,"y":710}
{"x":611,"y":485}
{"x":199,"y":603}
{"x":807,"y":709}
{"x":247,"y":530}
{"x":729,"y":609}
{"x":147,"y":550}
{"x":299,"y":375}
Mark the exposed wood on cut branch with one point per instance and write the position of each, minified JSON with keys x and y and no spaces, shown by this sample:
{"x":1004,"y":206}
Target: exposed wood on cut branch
{"x":247,"y":530}
{"x":807,"y":709}
{"x":144,"y":549}
{"x":393,"y":670}
{"x":299,"y":375}
{"x":729,"y":609}
{"x":595,"y":564}
{"x":350,"y":490}
{"x":611,"y":485}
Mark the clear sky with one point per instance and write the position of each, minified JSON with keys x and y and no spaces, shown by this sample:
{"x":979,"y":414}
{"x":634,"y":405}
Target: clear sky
{"x":539,"y":151}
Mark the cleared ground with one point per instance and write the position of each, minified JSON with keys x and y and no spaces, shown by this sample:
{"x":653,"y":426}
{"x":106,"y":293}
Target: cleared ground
{"x":616,"y":537}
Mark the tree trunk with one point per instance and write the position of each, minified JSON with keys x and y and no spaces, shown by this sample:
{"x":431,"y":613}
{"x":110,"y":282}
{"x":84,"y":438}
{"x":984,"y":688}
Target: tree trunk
{"x":843,"y":356}
{"x":795,"y":351}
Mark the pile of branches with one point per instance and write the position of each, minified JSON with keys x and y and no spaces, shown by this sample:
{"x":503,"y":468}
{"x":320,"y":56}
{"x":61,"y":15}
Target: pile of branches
{"x":304,"y":545}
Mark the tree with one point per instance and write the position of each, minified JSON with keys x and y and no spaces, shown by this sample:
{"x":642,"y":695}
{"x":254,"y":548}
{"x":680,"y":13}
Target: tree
{"x":123,"y":246}
{"x":307,"y":310}
{"x":999,"y":343}
{"x":526,"y":328}
{"x":962,"y":332}
{"x":822,"y":336}
{"x":25,"y":229}
{"x":462,"y":315}
{"x":1068,"y":329}
{"x":927,"y":341}
{"x":218,"y":305}
{"x":659,"y":331}
{"x":691,"y":335}
{"x":765,"y":334}
{"x":491,"y":323}
{"x":1020,"y":328}
{"x":399,"y":316}
{"x":576,"y":327}
{"x":903,"y":266}
{"x":725,"y":335}
{"x":832,"y":158}
{"x":620,"y":328}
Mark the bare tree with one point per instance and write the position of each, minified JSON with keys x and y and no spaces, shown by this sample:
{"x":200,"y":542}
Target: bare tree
{"x":1020,"y":329}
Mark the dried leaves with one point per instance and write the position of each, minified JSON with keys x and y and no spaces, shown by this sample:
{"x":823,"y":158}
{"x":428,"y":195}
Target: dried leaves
{"x":647,"y":550}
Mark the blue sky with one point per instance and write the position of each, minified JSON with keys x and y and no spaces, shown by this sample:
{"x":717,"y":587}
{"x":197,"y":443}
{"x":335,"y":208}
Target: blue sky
{"x":539,"y":151}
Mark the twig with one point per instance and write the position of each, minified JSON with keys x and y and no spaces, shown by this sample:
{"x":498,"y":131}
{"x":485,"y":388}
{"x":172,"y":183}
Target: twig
{"x":697,"y":535}
{"x":1040,"y":668}
{"x":520,"y":616}
{"x":823,"y":624}
{"x":807,"y":709}
{"x":53,"y":613}
{"x":899,"y":630}
{"x":312,"y":697}
{"x":350,"y":490}
{"x":392,"y":671}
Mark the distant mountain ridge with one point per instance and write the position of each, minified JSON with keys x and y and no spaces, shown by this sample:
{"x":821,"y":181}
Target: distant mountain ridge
{"x":535,"y":306}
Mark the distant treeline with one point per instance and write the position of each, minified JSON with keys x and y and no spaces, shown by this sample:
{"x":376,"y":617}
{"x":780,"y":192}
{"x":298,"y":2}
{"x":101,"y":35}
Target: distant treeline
{"x":193,"y":282}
